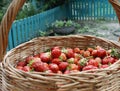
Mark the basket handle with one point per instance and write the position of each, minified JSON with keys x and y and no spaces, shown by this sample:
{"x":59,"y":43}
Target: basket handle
{"x":116,"y":6}
{"x":6,"y":24}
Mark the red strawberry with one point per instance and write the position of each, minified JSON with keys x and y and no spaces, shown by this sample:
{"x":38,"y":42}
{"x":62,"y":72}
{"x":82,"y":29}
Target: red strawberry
{"x":63,"y":57}
{"x":67,"y":72}
{"x":56,"y":53}
{"x":86,"y":54}
{"x":98,"y":59}
{"x":105,"y":61}
{"x":101,"y":52}
{"x":76,"y":61}
{"x":26,"y":68}
{"x":63,"y":66}
{"x":76,"y":50}
{"x":98,"y":47}
{"x":37,"y":56}
{"x":49,"y":72}
{"x":94,"y":53}
{"x":54,"y":67}
{"x":59,"y":72}
{"x":108,"y":59}
{"x":104,"y":66}
{"x":81,"y":52}
{"x":21,"y":63}
{"x":70,"y":53}
{"x":45,"y":57}
{"x":39,"y":66}
{"x":56,"y":61}
{"x":109,"y":52}
{"x":29,"y":58}
{"x":89,"y":67}
{"x":93,"y":62}
{"x":74,"y":71}
{"x":90,"y":50}
{"x":73,"y":67}
{"x":19,"y":67}
{"x":77,"y":56}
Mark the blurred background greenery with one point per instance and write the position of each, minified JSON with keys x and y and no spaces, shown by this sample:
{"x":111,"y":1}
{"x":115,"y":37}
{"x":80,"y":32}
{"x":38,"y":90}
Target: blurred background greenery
{"x":31,"y":7}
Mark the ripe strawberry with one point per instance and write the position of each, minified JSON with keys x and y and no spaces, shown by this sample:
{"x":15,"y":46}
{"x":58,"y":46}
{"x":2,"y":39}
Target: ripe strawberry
{"x":98,"y":47}
{"x":101,"y":52}
{"x":56,"y":61}
{"x":21,"y":63}
{"x":63,"y":66}
{"x":108,"y":60}
{"x":19,"y":67}
{"x":63,"y":57}
{"x":89,"y":67}
{"x":59,"y":72}
{"x":104,"y":66}
{"x":81,"y":52}
{"x":74,"y":71}
{"x":108,"y":52}
{"x":56,"y":53}
{"x":54,"y":67}
{"x":70,"y":53}
{"x":94,"y":53}
{"x":45,"y":57}
{"x":49,"y":72}
{"x":76,"y":50}
{"x":76,"y":61}
{"x":37,"y":56}
{"x":86,"y":54}
{"x":105,"y":61}
{"x":90,"y":50}
{"x":26,"y":68}
{"x":77,"y":56}
{"x":67,"y":72}
{"x":29,"y":58}
{"x":98,"y":59}
{"x":39,"y":66}
{"x":93,"y":62}
{"x":73,"y":67}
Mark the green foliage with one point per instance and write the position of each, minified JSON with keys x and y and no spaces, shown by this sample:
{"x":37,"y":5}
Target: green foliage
{"x":48,"y":4}
{"x":29,"y":9}
{"x":60,"y":23}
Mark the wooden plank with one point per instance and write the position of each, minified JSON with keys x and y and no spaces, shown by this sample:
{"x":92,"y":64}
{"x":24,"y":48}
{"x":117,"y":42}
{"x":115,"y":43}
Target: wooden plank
{"x":14,"y":35}
{"x":10,"y":41}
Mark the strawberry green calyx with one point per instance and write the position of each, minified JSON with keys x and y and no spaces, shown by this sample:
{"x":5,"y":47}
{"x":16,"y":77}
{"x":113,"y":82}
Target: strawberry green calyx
{"x":30,"y":63}
{"x":70,"y":61}
{"x":64,"y":50}
{"x":83,"y":62}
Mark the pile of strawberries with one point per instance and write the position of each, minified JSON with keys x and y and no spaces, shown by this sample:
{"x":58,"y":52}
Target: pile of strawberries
{"x":67,"y":60}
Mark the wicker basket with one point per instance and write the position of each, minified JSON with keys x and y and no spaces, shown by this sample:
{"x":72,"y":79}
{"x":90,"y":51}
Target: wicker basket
{"x":14,"y":80}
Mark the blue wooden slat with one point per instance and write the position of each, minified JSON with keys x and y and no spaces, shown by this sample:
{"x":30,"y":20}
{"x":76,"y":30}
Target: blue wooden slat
{"x":10,"y":41}
{"x":14,"y":34}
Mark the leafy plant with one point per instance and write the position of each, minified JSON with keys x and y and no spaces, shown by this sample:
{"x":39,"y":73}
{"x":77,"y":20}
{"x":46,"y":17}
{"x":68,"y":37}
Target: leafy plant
{"x":59,"y":24}
{"x":68,"y":23}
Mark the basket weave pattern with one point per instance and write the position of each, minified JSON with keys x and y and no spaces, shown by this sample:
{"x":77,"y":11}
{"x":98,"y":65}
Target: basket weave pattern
{"x":96,"y":80}
{"x":14,"y":80}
